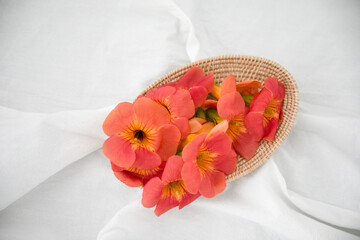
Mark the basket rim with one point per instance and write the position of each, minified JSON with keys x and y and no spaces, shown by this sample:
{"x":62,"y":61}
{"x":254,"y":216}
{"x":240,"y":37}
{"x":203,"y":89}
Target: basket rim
{"x":221,"y":57}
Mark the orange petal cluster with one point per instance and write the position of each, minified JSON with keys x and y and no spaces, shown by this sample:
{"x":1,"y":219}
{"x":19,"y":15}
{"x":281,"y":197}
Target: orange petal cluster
{"x":180,"y":140}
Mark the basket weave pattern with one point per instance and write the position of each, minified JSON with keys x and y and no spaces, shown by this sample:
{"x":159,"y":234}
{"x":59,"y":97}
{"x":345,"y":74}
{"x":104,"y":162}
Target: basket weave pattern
{"x":248,"y":68}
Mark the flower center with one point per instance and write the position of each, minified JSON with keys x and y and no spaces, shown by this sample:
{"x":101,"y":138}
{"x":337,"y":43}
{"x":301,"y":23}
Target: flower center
{"x":143,"y":173}
{"x":236,"y":127}
{"x":175,"y":189}
{"x":271,"y":110}
{"x":140,"y":136}
{"x":204,"y":160}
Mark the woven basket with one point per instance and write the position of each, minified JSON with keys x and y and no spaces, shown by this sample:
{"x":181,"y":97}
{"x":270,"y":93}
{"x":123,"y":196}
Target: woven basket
{"x":248,"y":68}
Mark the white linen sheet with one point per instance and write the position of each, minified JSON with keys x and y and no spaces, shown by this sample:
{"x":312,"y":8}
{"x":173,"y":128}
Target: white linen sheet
{"x":65,"y":64}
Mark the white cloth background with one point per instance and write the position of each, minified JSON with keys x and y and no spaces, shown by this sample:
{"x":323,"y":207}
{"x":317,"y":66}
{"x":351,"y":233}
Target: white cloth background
{"x":64,"y":64}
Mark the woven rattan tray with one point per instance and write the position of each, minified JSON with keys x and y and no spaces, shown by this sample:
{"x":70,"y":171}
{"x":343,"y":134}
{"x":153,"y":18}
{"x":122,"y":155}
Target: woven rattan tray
{"x":248,"y":68}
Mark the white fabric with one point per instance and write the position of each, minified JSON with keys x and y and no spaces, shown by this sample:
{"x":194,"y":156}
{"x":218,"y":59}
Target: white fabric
{"x":64,"y":64}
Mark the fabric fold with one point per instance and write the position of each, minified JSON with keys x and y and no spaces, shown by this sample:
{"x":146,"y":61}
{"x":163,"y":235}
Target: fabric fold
{"x":259,"y":199}
{"x":35,"y":146}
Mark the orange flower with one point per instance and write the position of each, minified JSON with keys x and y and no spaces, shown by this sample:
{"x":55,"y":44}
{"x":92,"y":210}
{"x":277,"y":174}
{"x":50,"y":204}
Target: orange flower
{"x":140,"y":135}
{"x":265,"y":110}
{"x":248,"y":87}
{"x":197,"y":126}
{"x":198,"y":84}
{"x":135,"y":176}
{"x":169,"y":191}
{"x":178,"y":103}
{"x":216,"y":91}
{"x":231,"y":107}
{"x":208,"y":157}
{"x":245,"y":88}
{"x":210,"y":103}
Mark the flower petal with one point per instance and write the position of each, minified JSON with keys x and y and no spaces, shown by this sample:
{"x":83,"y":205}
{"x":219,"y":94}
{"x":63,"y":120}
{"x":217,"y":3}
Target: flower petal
{"x":185,"y":141}
{"x":216,"y":91}
{"x":226,"y":163}
{"x":198,"y":95}
{"x":183,"y":125}
{"x":146,"y":159}
{"x":160,"y":93}
{"x":247,"y":110}
{"x":219,"y":143}
{"x":219,"y":182}
{"x":191,"y":77}
{"x":261,"y":100}
{"x":271,"y":129}
{"x":187,"y":199}
{"x":281,"y":93}
{"x":165,"y":205}
{"x":118,"y":119}
{"x":210,"y":104}
{"x":170,"y":139}
{"x":213,"y":184}
{"x":230,"y":105}
{"x":181,"y":104}
{"x":207,"y":82}
{"x":152,"y":192}
{"x":228,"y":85}
{"x":272,"y":84}
{"x":116,"y":168}
{"x":207,"y":127}
{"x":172,"y":171}
{"x":199,"y":119}
{"x":128,"y":178}
{"x":254,"y":125}
{"x":281,"y":116}
{"x":221,"y":127}
{"x":151,"y":113}
{"x":195,"y":124}
{"x":207,"y":188}
{"x":172,"y":84}
{"x":248,"y":87}
{"x":191,"y":175}
{"x":245,"y":145}
{"x":191,"y":150}
{"x":119,"y":151}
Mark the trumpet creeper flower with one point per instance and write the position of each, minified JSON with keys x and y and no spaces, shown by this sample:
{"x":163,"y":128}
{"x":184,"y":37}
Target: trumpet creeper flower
{"x":197,"y":83}
{"x":265,"y":110}
{"x":169,"y":191}
{"x":231,"y":107}
{"x":208,"y":158}
{"x":135,"y":176}
{"x":178,"y":103}
{"x":248,"y":87}
{"x":139,"y":135}
{"x":197,"y":126}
